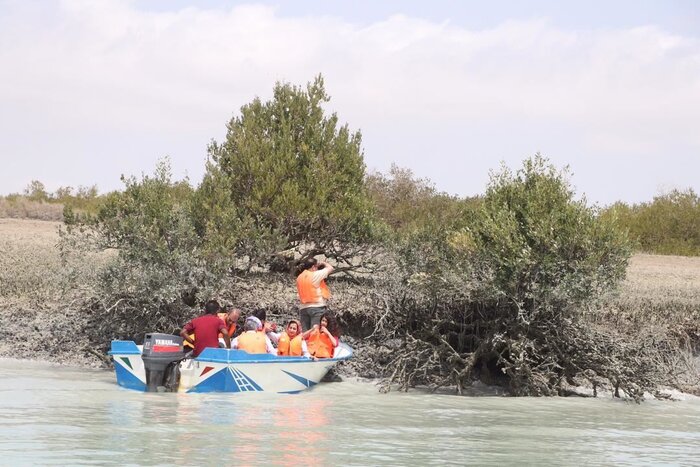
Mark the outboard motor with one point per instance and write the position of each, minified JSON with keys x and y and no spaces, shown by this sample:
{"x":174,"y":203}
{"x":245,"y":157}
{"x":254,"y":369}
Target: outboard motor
{"x":161,"y":352}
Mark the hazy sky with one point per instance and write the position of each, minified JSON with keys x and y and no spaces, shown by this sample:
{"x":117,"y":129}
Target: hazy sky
{"x":90,"y":90}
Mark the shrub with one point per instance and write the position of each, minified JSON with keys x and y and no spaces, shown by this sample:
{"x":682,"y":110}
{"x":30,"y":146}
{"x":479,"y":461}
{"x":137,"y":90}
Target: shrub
{"x":670,"y":224}
{"x":149,"y":226}
{"x":21,"y":207}
{"x":506,"y":298}
{"x":408,"y":204}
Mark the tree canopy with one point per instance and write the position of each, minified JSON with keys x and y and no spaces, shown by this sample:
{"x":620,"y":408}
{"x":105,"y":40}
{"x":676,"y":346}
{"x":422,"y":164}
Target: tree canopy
{"x":287,"y":177}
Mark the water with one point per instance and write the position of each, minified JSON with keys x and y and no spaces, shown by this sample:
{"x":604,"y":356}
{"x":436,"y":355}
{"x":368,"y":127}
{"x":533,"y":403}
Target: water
{"x":65,"y":416}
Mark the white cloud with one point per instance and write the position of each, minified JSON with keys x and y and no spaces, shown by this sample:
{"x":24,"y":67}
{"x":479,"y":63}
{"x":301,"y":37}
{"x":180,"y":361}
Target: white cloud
{"x":106,"y":88}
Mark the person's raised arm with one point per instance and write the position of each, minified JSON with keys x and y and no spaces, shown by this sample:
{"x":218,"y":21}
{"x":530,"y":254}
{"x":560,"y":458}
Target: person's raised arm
{"x":327,"y":268}
{"x":305,"y":335}
{"x":270,"y":332}
{"x":334,"y":340}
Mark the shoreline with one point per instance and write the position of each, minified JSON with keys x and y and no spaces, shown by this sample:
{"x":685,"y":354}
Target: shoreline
{"x":476,"y":390}
{"x":44,"y":319}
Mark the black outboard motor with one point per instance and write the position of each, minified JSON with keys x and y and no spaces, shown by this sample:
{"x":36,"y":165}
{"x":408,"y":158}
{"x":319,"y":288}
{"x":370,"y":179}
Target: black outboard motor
{"x":161,"y":352}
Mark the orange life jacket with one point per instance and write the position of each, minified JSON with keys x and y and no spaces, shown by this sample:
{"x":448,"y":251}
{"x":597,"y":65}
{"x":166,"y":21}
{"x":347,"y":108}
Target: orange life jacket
{"x":320,"y":345}
{"x":308,"y":292}
{"x":187,"y":344}
{"x":292,"y":347}
{"x":252,"y":342}
{"x":231,"y":330}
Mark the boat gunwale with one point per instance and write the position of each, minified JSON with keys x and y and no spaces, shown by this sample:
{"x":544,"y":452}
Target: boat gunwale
{"x":261,"y":359}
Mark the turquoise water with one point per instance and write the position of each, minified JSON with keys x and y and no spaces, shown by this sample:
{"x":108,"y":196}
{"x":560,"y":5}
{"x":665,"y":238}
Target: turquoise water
{"x":66,"y":416}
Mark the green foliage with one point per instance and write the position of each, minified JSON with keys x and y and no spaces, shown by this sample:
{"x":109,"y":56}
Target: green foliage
{"x":64,"y":204}
{"x":149,"y":221}
{"x":157,"y":261}
{"x":507,"y":292}
{"x":83,"y":201}
{"x":216,"y":218}
{"x":286,"y":177}
{"x":36,"y":191}
{"x":545,"y":247}
{"x":409,"y":205}
{"x":670,"y":224}
{"x":528,"y":244}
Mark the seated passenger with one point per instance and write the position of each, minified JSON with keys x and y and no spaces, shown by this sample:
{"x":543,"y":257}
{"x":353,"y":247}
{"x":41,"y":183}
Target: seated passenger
{"x":291,"y":343}
{"x":231,"y":320}
{"x":207,"y":328}
{"x":323,"y":339}
{"x":253,"y":340}
{"x":269,"y":328}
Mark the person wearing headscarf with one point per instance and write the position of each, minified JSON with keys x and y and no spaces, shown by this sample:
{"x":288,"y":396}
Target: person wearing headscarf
{"x":291,"y":342}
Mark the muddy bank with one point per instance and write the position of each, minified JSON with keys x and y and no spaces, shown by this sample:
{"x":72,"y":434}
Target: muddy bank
{"x":40,"y":331}
{"x":54,"y":332}
{"x":47,"y":313}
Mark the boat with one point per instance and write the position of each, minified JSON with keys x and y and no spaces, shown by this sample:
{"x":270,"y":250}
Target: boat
{"x":161,"y":365}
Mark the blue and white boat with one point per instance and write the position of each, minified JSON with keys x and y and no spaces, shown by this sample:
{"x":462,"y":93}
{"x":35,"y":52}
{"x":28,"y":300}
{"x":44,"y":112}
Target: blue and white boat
{"x":220,"y":370}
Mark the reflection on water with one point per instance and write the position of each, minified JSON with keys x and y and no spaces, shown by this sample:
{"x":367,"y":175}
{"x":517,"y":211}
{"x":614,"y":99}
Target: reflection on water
{"x":53,"y":415}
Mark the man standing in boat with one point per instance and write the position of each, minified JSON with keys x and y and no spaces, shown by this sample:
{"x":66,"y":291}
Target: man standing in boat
{"x":313,"y":291}
{"x":206,"y":329}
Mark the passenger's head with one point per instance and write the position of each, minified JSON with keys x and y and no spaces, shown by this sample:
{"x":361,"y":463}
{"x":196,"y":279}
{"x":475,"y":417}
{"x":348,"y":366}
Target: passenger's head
{"x":329,"y":321}
{"x":261,"y":315}
{"x":252,"y":324}
{"x":293,"y":328}
{"x":233,"y":316}
{"x":310,"y":263}
{"x":211,"y":307}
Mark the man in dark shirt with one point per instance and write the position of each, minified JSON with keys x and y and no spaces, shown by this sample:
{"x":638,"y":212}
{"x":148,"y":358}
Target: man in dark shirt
{"x":206,"y":329}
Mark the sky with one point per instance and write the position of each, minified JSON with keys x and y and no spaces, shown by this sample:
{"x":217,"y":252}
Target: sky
{"x":91,"y":90}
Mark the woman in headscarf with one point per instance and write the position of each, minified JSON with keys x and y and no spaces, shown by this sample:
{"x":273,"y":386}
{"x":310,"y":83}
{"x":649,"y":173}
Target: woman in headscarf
{"x":291,"y":342}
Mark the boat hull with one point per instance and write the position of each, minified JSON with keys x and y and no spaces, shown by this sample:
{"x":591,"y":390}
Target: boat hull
{"x":224,"y":370}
